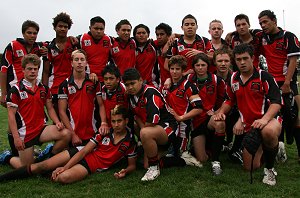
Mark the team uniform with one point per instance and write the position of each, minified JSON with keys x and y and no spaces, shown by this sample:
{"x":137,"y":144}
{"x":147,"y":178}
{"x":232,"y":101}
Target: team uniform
{"x":212,"y":68}
{"x":123,"y":54}
{"x":145,"y":61}
{"x":98,"y":53}
{"x":81,"y":105}
{"x":256,"y":94}
{"x":12,"y":57}
{"x":178,"y":98}
{"x":107,"y":153}
{"x":30,"y":116}
{"x":113,"y":98}
{"x":179,"y":47}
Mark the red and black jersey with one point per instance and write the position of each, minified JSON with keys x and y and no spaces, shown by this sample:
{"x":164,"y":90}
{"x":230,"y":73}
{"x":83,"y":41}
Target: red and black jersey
{"x":145,"y":61}
{"x":181,"y":48}
{"x":277,"y":49}
{"x":164,"y":74}
{"x":178,"y":96}
{"x":123,"y":54}
{"x":98,"y":52}
{"x":255,"y":42}
{"x":81,"y":105}
{"x":253,"y":97}
{"x":107,"y":153}
{"x":212,"y":94}
{"x":30,"y":116}
{"x":60,"y":64}
{"x":113,"y":98}
{"x":212,"y":68}
{"x":12,"y":57}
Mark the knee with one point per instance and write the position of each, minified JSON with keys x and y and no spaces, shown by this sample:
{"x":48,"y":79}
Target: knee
{"x":66,"y":134}
{"x":145,"y":134}
{"x":63,"y":178}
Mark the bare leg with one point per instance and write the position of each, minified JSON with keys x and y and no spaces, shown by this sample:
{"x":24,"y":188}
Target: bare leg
{"x":76,"y":173}
{"x":199,"y":148}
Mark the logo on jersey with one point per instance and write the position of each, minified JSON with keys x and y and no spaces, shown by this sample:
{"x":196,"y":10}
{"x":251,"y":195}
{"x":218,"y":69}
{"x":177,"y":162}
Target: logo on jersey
{"x":43,"y":94}
{"x":255,"y":86}
{"x":54,"y":52}
{"x":123,"y":148}
{"x":89,"y":89}
{"x":105,"y":44}
{"x":280,"y":46}
{"x":264,"y":41}
{"x":23,"y":95}
{"x":105,"y":141}
{"x":87,"y":42}
{"x":115,"y":50}
{"x":120,"y":98}
{"x":71,"y":89}
{"x":235,"y":86}
{"x":180,"y":93}
{"x":104,"y":96}
{"x":180,"y":48}
{"x":20,"y":53}
{"x":210,"y":89}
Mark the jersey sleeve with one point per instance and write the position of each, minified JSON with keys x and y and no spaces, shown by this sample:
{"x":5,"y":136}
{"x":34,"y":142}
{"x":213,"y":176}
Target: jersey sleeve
{"x":154,"y":103}
{"x":271,"y":88}
{"x":63,"y":90}
{"x":13,"y":97}
{"x":7,"y":58}
{"x":292,"y":45}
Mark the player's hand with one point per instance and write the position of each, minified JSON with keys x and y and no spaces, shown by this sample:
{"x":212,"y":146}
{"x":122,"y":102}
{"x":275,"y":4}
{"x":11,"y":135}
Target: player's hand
{"x":176,"y":116}
{"x":190,"y":71}
{"x":210,"y":112}
{"x":192,"y":52}
{"x":76,"y":141}
{"x":19,"y":144}
{"x":104,"y":128}
{"x":238,"y":128}
{"x":74,"y":40}
{"x":260,"y":123}
{"x":43,"y":51}
{"x":220,"y":117}
{"x":57,"y":172}
{"x":93,"y":77}
{"x":59,"y":126}
{"x":121,"y":174}
{"x":285,"y":88}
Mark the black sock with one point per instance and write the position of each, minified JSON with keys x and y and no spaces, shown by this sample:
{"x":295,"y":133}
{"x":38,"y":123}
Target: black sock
{"x":217,"y":146}
{"x":167,"y":162}
{"x":270,"y":154}
{"x":297,"y":138}
{"x":153,"y":161}
{"x":19,"y":173}
{"x":237,"y":143}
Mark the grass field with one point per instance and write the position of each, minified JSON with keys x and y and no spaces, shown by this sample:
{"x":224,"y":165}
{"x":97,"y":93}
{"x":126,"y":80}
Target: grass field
{"x":173,"y":182}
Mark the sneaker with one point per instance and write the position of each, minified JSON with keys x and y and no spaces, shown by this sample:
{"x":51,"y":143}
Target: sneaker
{"x":3,"y":156}
{"x":45,"y":153}
{"x":216,"y":168}
{"x":152,"y":173}
{"x":269,"y":176}
{"x":281,"y":155}
{"x":236,"y":157}
{"x":190,"y":160}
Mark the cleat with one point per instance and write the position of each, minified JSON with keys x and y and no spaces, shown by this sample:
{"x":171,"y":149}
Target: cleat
{"x":269,"y":176}
{"x":152,"y":173}
{"x":236,"y":157}
{"x":45,"y":153}
{"x":190,"y":160}
{"x":4,"y":155}
{"x":216,"y":168}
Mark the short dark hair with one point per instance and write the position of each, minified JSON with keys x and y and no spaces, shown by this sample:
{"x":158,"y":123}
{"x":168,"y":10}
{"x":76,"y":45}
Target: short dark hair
{"x":141,"y":26}
{"x":27,"y":24}
{"x":240,"y":17}
{"x":243,"y":48}
{"x":189,"y":16}
{"x":200,"y":56}
{"x":122,"y":22}
{"x":165,"y":27}
{"x":120,"y":110}
{"x":179,"y":60}
{"x":268,"y":13}
{"x":97,"y":19}
{"x":112,"y":69}
{"x":31,"y":58}
{"x":63,"y":17}
{"x":223,"y":50}
{"x":131,"y":74}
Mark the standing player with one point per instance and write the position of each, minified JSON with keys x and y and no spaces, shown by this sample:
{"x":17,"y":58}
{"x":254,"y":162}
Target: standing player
{"x":99,"y":154}
{"x":123,"y":49}
{"x":25,"y":105}
{"x":258,"y":99}
{"x":216,"y":31}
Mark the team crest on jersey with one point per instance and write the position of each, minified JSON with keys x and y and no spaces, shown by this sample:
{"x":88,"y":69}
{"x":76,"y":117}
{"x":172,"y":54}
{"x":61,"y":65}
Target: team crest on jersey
{"x":264,"y":41}
{"x":115,"y":50}
{"x":279,"y":45}
{"x":23,"y":95}
{"x":105,"y":141}
{"x":71,"y":89}
{"x":43,"y":94}
{"x":236,"y":43}
{"x":54,"y":52}
{"x":180,"y":48}
{"x":210,"y":89}
{"x":131,"y":46}
{"x":105,"y":44}
{"x":104,"y":97}
{"x":200,"y":46}
{"x":87,"y":42}
{"x":255,"y":86}
{"x":120,"y":98}
{"x":235,"y":86}
{"x":180,"y":93}
{"x":90,"y":89}
{"x":20,"y":53}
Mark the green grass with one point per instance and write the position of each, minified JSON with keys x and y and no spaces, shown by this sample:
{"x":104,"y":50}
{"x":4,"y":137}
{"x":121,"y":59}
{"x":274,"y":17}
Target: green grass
{"x":173,"y":182}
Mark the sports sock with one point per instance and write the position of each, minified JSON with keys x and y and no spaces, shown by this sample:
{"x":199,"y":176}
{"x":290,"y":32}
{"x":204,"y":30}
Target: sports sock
{"x":270,"y":154}
{"x":217,"y":146}
{"x":153,"y":161}
{"x":19,"y":173}
{"x":167,"y":162}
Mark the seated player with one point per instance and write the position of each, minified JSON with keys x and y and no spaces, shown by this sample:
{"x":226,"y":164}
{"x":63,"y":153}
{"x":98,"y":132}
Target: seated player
{"x":99,"y":154}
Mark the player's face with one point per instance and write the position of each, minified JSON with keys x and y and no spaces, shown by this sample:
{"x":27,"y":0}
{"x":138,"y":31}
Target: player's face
{"x":267,"y":25}
{"x":111,"y":81}
{"x":244,"y":62}
{"x":161,"y":37}
{"x":242,"y":27}
{"x":124,"y":32}
{"x":30,"y":35}
{"x":31,"y":72}
{"x":97,"y":30}
{"x":141,"y":35}
{"x":118,"y":123}
{"x":79,"y":62}
{"x":216,"y":30}
{"x":61,"y":29}
{"x":189,"y":27}
{"x":201,"y":68}
{"x":222,"y":63}
{"x":133,"y":86}
{"x":176,"y":72}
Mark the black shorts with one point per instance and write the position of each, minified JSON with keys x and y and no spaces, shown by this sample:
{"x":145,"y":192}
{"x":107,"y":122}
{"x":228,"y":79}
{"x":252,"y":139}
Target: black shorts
{"x":72,"y":151}
{"x":293,"y":85}
{"x":36,"y":140}
{"x":201,"y":129}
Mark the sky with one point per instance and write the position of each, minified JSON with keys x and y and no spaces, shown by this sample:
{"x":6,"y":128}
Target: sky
{"x":149,"y":12}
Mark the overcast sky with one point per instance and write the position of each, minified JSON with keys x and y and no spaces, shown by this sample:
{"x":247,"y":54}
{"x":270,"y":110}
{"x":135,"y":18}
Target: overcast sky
{"x":149,"y":12}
